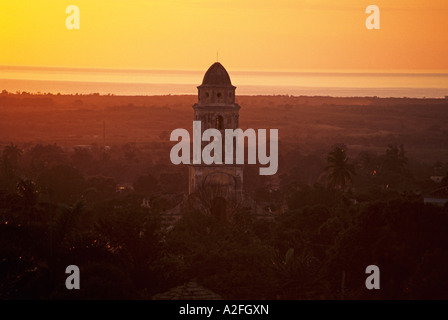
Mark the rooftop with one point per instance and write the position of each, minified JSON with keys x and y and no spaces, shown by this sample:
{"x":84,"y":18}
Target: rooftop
{"x":216,"y":75}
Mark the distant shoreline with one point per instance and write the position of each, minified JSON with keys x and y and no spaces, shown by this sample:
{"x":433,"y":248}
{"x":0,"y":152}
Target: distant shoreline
{"x":165,"y":82}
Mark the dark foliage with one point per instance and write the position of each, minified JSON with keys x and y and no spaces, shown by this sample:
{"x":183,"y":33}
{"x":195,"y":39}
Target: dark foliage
{"x":59,"y":208}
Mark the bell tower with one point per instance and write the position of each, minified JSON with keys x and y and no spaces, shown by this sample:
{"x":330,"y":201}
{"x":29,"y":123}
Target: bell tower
{"x":216,"y":108}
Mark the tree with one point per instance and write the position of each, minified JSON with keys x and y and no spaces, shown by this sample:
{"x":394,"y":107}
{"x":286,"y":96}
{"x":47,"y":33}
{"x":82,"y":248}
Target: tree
{"x":65,"y":223}
{"x":365,"y":161}
{"x":99,"y":188}
{"x":45,"y":156}
{"x":146,"y":184}
{"x":62,"y":183}
{"x":9,"y":167}
{"x":133,"y":232}
{"x":28,"y":191}
{"x":395,"y":159}
{"x":28,"y":205}
{"x":83,"y":159}
{"x":394,"y":171}
{"x":12,"y":153}
{"x":131,"y":152}
{"x":339,"y":172}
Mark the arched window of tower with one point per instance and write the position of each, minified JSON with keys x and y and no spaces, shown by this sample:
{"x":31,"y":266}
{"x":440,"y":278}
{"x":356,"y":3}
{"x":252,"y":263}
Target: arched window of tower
{"x":219,"y":122}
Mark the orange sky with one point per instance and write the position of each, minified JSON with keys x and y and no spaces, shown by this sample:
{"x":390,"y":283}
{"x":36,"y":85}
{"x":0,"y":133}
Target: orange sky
{"x":323,"y":35}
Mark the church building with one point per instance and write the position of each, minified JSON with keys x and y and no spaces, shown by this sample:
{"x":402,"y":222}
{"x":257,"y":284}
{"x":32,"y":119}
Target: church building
{"x":216,"y":108}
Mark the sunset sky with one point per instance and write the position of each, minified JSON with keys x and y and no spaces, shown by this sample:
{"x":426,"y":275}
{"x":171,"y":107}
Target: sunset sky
{"x":277,"y":35}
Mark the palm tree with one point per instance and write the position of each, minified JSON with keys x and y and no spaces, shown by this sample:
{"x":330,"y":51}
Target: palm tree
{"x":66,"y":222}
{"x":339,"y":171}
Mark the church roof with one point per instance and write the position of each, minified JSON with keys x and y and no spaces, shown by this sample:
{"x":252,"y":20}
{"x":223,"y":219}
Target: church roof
{"x":188,"y":291}
{"x":216,"y":75}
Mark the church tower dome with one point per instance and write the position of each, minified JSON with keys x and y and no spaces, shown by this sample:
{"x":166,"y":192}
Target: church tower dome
{"x":216,"y":87}
{"x":216,"y":75}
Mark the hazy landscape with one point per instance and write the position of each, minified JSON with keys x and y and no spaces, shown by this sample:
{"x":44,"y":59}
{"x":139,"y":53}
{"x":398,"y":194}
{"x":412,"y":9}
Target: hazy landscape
{"x":87,"y":179}
{"x":313,"y":123}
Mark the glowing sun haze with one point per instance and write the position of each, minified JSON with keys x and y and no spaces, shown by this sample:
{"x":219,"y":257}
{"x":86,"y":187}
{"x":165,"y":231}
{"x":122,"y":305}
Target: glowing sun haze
{"x":281,"y":35}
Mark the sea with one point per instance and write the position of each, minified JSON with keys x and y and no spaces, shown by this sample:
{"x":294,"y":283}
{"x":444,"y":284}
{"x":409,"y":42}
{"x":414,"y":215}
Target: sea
{"x":175,"y":82}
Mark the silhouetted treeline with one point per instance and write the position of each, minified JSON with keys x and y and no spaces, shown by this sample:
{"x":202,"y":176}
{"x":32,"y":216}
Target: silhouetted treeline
{"x":92,"y":208}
